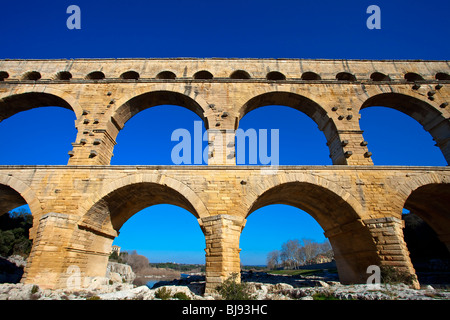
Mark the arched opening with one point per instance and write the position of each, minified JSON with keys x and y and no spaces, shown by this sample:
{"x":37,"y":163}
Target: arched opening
{"x":442,"y":76}
{"x":39,"y":135}
{"x":412,"y":77}
{"x":63,"y":75}
{"x":240,"y":74}
{"x":310,"y":76}
{"x":4,"y":75}
{"x":294,"y":129}
{"x":166,"y":75}
{"x":378,"y":76}
{"x":426,"y":233}
{"x":203,"y":75}
{"x":275,"y":76}
{"x":353,"y":251}
{"x":292,"y":138}
{"x":15,"y":242}
{"x":397,"y":141}
{"x":169,"y":237}
{"x":31,"y":75}
{"x":160,"y":127}
{"x":130,"y":75}
{"x":152,"y":218}
{"x":95,"y":75}
{"x":345,"y":76}
{"x":269,"y":231}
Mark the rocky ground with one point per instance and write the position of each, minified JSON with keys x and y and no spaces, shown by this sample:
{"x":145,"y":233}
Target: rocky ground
{"x":117,"y":285}
{"x":266,"y":287}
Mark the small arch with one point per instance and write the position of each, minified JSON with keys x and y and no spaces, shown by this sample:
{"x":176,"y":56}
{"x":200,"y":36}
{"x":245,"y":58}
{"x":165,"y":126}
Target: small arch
{"x":166,"y":75}
{"x":442,"y":76}
{"x":309,"y":75}
{"x":378,"y":76}
{"x":96,"y":75}
{"x":345,"y":76}
{"x":63,"y":75}
{"x":412,"y":76}
{"x":240,"y":74}
{"x":203,"y":75}
{"x":275,"y":76}
{"x":4,"y":75}
{"x":130,"y":75}
{"x":32,"y":75}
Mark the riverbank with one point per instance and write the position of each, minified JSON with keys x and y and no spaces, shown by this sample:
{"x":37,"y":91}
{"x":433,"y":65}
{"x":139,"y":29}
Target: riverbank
{"x":262,"y":286}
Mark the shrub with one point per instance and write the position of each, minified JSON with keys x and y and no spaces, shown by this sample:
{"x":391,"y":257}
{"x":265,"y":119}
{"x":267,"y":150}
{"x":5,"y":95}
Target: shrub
{"x":163,"y":293}
{"x":230,"y":289}
{"x":181,"y":296}
{"x":324,"y":296}
{"x":392,"y":275}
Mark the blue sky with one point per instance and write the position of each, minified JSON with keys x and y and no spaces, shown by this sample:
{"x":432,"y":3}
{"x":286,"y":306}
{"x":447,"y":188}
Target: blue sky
{"x":239,"y":29}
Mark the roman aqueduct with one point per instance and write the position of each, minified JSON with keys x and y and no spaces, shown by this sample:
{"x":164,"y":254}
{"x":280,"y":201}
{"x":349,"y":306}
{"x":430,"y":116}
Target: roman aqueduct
{"x":79,"y":208}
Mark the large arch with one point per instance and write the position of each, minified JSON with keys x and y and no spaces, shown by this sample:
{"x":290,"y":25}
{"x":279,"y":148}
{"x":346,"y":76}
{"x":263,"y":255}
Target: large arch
{"x":122,"y":198}
{"x":130,"y":106}
{"x":431,"y":203}
{"x":27,"y":99}
{"x":423,"y":112}
{"x":119,"y":201}
{"x":298,"y":102}
{"x":352,"y":242}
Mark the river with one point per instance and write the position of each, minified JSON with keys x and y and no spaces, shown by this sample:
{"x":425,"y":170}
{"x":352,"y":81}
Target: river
{"x":151,"y":283}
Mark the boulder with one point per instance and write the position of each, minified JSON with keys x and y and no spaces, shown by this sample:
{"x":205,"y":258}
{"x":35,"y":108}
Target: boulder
{"x":119,"y":272}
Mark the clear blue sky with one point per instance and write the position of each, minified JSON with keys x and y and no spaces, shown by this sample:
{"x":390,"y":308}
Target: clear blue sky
{"x":241,"y":29}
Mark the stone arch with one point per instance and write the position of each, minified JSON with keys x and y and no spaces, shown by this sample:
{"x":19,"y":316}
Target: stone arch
{"x":422,"y":111}
{"x":428,"y":196}
{"x":309,"y":75}
{"x":166,"y":75}
{"x":122,"y":198}
{"x":130,"y":75}
{"x":337,"y":213}
{"x":143,"y":99}
{"x":15,"y":193}
{"x":275,"y":76}
{"x":3,"y":75}
{"x":32,"y":75}
{"x":203,"y":75}
{"x":96,"y":75}
{"x":240,"y":75}
{"x":319,"y":183}
{"x":63,"y":75}
{"x":24,"y":99}
{"x":301,"y":103}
